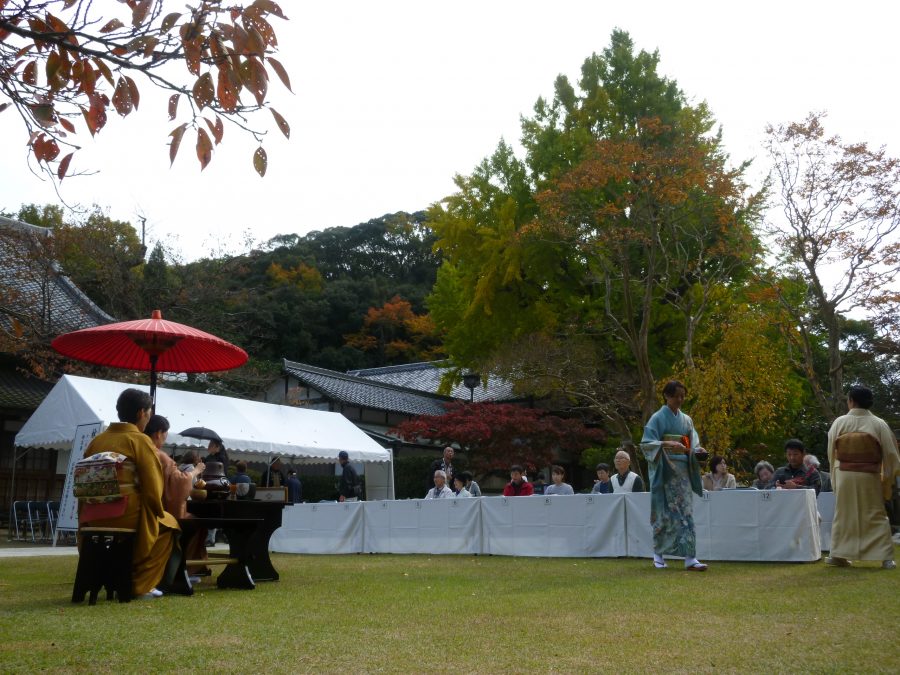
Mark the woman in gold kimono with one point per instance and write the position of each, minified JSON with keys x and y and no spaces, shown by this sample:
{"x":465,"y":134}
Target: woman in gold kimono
{"x":862,"y":451}
{"x":142,"y":510}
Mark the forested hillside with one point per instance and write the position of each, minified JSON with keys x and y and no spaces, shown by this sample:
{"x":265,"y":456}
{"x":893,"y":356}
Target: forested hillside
{"x":341,"y":298}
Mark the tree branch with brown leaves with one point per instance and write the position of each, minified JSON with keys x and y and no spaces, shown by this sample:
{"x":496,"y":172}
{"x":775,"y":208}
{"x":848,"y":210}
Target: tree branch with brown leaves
{"x":64,"y":63}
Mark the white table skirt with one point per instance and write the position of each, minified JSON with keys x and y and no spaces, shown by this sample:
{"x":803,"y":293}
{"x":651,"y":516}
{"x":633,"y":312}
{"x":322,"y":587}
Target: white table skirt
{"x":423,"y":526}
{"x":320,"y":528}
{"x":579,"y":526}
{"x":758,"y":525}
{"x":826,"y":511}
{"x":774,"y":525}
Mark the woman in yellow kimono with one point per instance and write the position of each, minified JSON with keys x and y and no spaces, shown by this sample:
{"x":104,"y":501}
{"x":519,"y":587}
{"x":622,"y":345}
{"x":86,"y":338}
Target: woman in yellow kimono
{"x":143,"y":509}
{"x":862,"y":451}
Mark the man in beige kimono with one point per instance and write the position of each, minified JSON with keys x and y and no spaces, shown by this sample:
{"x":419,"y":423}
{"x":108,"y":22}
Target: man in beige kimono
{"x":862,"y":451}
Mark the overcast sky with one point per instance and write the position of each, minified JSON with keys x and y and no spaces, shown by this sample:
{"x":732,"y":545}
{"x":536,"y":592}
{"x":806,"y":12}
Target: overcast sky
{"x":391,"y":99}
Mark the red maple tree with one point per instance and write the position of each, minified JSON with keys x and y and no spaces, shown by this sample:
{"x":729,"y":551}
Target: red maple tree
{"x":498,"y":435}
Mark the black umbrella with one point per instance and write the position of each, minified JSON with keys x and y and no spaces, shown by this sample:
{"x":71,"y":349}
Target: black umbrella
{"x":202,"y":433}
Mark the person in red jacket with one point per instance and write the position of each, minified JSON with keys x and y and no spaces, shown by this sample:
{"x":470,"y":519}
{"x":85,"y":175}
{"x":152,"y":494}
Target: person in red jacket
{"x":517,"y":486}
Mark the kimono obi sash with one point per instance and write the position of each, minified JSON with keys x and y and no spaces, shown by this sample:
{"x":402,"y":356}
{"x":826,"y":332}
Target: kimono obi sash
{"x":684,"y":440}
{"x":858,"y":451}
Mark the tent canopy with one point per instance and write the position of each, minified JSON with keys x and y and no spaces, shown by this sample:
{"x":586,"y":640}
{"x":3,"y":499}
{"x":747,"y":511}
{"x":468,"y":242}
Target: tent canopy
{"x":246,"y":427}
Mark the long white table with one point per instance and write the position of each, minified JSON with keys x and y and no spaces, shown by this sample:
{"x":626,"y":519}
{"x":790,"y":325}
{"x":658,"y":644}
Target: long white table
{"x":732,"y":525}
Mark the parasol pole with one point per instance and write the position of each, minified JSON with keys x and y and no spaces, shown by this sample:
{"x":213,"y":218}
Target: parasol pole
{"x":153,"y":358}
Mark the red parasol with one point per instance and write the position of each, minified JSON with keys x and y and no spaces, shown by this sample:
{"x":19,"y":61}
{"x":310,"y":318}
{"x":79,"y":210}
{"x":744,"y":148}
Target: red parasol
{"x":151,"y":344}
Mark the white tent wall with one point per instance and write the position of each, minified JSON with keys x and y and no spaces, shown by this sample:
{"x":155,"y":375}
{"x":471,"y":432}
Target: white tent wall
{"x":250,"y":429}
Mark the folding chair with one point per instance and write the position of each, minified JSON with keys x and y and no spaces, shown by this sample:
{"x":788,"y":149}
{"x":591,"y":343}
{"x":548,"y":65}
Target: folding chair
{"x":38,"y":520}
{"x":19,"y":520}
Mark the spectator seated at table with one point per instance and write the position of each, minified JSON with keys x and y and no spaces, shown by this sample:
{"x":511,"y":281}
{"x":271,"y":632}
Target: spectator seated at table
{"x":718,"y":477}
{"x":177,"y":484}
{"x":517,"y":485}
{"x":471,"y":485}
{"x":765,"y":476}
{"x":558,"y":487}
{"x":624,"y":479}
{"x":538,"y":486}
{"x":794,"y":475}
{"x":602,"y":486}
{"x":187,"y":463}
{"x":242,"y":481}
{"x":440,"y":489}
{"x":811,"y":462}
{"x":459,"y":487}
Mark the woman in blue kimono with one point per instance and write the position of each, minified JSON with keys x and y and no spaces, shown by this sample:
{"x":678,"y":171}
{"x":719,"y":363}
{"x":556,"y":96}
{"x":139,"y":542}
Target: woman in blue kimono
{"x":670,"y":445}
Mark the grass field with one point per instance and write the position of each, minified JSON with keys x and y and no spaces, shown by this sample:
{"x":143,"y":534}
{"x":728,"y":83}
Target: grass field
{"x":396,"y":614}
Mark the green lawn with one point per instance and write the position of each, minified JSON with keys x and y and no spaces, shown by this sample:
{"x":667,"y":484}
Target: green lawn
{"x":465,"y":614}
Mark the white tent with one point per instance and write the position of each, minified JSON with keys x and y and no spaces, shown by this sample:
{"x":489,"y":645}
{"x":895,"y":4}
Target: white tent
{"x":249,"y":429}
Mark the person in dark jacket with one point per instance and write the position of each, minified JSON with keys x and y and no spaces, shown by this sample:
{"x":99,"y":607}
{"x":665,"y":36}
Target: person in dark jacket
{"x":295,"y":488}
{"x":349,"y":488}
{"x":274,"y":476}
{"x":445,"y":464}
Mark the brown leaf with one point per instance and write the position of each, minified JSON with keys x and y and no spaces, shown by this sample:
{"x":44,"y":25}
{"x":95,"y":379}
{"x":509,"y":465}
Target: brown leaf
{"x":64,"y":166}
{"x":219,"y":130}
{"x":149,"y":45}
{"x":192,"y":54}
{"x":111,"y":25}
{"x":176,"y":135}
{"x":59,"y":26}
{"x":29,"y":75}
{"x":281,"y":72}
{"x":4,"y":106}
{"x":67,"y":125}
{"x":169,"y":21}
{"x":282,"y":123}
{"x":69,"y":3}
{"x":204,"y":92}
{"x":173,"y":105}
{"x":255,"y":78}
{"x":43,"y":114}
{"x":133,"y":91}
{"x":45,"y":149}
{"x":52,"y":68}
{"x":204,"y":148}
{"x":270,"y":7}
{"x":212,"y":129}
{"x":139,"y":13}
{"x":95,"y":117}
{"x":260,"y":161}
{"x":104,"y":70}
{"x":121,"y":99}
{"x":87,"y":81}
{"x":228,"y":88}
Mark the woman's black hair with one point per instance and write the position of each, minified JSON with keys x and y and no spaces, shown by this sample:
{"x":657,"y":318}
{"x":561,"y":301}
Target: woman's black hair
{"x":714,"y":463}
{"x":861,"y":395}
{"x":156,"y":423}
{"x":672,"y":387}
{"x":130,"y":403}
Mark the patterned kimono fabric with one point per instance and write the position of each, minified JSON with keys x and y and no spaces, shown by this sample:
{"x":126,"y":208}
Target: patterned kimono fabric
{"x":673,"y":477}
{"x":154,"y":538}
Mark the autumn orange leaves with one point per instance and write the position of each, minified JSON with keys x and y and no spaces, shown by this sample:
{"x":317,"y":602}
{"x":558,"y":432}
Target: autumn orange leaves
{"x":55,"y":69}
